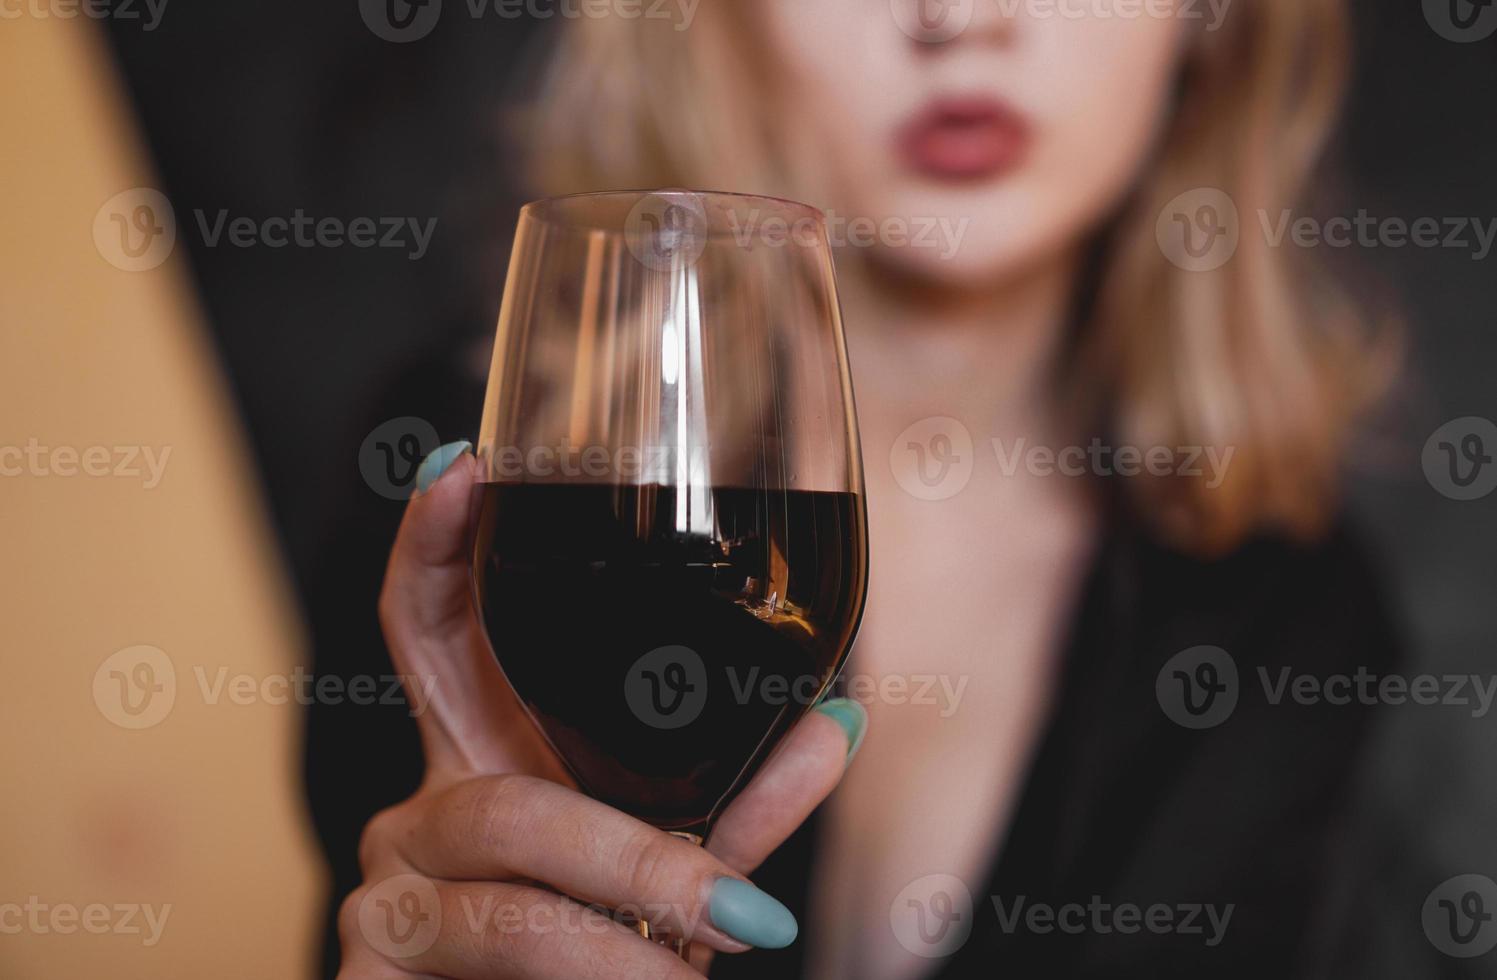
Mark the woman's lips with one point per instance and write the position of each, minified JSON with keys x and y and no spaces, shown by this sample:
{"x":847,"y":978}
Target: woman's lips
{"x":963,"y":139}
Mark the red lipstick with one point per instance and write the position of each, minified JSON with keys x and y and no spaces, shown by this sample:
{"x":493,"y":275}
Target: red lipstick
{"x":967,"y":138}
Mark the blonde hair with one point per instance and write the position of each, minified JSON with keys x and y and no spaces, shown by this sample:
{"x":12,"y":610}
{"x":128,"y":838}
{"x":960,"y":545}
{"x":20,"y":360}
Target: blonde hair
{"x":1262,"y":356}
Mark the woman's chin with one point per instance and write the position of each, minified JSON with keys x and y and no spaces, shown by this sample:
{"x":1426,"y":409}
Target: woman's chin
{"x":965,"y":268}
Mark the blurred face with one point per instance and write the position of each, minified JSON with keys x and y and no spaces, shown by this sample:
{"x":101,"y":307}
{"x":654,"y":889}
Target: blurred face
{"x":1007,"y":142}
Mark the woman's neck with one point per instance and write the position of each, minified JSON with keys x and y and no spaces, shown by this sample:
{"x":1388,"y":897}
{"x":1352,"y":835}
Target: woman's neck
{"x":983,"y":356}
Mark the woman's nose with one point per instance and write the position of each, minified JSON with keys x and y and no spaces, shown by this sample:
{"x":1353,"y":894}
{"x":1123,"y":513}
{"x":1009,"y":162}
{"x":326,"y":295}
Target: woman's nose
{"x":956,"y":21}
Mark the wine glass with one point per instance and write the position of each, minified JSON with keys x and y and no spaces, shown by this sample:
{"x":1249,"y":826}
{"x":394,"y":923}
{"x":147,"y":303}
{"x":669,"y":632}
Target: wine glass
{"x":670,"y":557}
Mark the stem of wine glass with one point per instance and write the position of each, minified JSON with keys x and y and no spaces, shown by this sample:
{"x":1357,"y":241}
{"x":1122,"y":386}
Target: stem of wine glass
{"x":679,"y":945}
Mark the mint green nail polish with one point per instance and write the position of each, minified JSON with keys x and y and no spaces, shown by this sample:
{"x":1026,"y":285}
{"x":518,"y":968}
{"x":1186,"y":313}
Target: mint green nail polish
{"x":750,"y":916}
{"x":853,"y":718}
{"x":433,"y":466}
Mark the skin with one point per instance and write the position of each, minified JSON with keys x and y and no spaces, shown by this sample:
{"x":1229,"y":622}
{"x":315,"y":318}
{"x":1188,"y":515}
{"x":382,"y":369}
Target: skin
{"x":967,"y":336}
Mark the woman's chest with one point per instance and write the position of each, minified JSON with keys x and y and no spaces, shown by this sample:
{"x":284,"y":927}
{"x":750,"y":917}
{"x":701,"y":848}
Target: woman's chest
{"x":954,"y":664}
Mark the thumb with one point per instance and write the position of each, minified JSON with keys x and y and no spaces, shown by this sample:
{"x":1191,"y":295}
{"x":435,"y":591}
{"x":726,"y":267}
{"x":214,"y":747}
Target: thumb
{"x":470,"y":722}
{"x":803,"y":773}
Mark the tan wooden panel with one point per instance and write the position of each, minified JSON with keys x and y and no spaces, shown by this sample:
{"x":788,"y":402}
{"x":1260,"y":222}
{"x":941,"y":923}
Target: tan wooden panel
{"x":201,"y":811}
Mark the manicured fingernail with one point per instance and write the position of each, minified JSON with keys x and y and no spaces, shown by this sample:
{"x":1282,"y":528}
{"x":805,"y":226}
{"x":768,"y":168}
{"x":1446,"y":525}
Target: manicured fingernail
{"x":433,"y":466}
{"x":853,"y":718}
{"x":750,"y":916}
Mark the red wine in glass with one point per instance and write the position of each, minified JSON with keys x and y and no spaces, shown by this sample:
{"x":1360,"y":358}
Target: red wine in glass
{"x":670,"y":557}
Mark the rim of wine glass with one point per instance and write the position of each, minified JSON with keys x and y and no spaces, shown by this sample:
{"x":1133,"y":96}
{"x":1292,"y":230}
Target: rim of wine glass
{"x":533,"y":209}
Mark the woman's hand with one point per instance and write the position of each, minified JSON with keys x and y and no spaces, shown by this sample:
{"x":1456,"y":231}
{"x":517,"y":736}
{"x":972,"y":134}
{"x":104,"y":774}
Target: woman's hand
{"x":498,"y":867}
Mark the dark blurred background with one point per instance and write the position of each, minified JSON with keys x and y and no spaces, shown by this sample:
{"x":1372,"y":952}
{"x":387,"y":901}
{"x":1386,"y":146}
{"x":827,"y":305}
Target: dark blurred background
{"x":263,"y":109}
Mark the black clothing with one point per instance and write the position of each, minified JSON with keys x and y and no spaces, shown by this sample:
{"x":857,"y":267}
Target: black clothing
{"x":1123,"y":806}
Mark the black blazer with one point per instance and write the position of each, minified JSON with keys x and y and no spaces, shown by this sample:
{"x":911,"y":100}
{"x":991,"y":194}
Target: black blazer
{"x":1145,"y":848}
